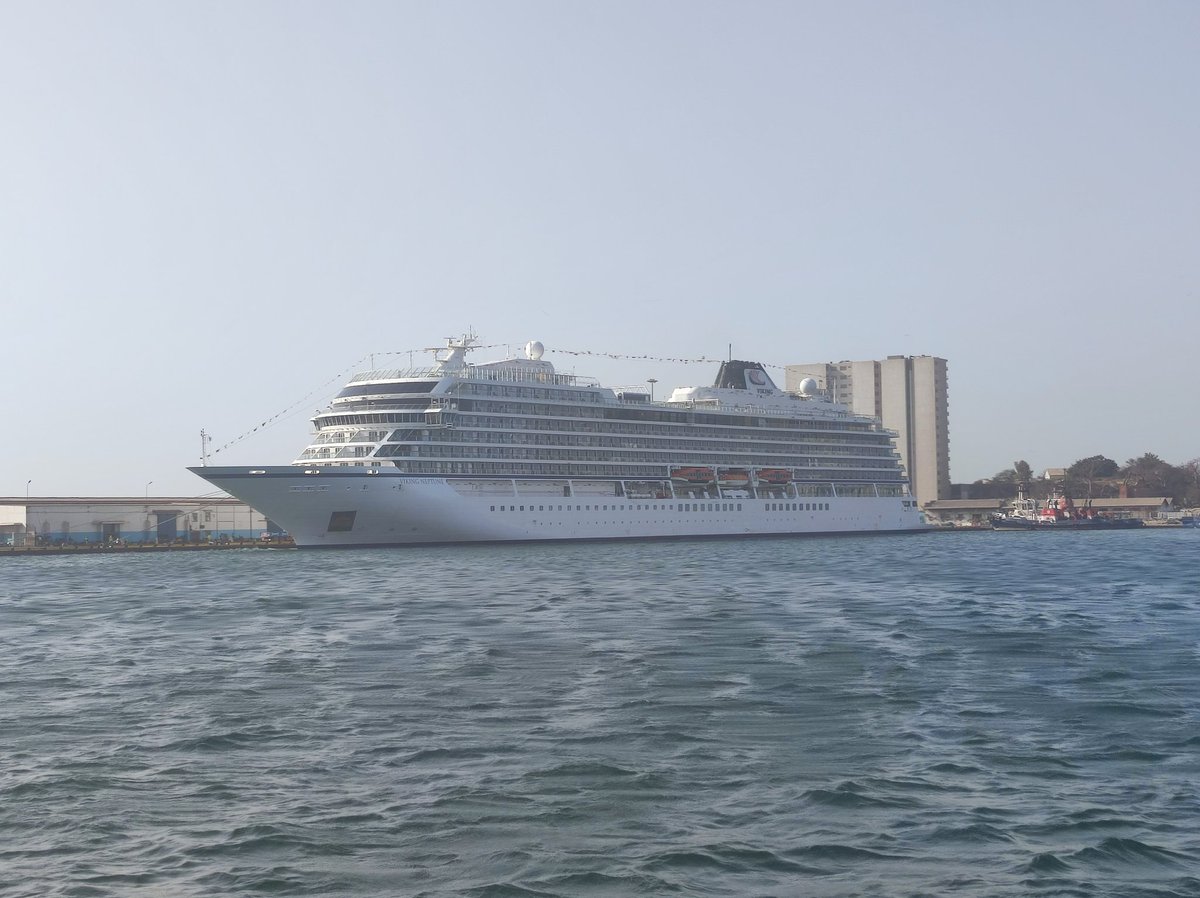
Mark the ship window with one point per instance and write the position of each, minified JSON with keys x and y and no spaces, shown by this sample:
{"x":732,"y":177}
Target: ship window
{"x":493,"y":508}
{"x":739,"y":506}
{"x":540,"y":507}
{"x":522,"y":508}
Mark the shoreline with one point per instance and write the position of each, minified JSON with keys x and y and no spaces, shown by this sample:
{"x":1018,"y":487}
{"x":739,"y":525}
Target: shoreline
{"x":144,"y":548}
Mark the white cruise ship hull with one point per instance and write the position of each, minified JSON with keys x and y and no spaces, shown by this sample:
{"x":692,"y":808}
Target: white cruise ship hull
{"x":358,"y":506}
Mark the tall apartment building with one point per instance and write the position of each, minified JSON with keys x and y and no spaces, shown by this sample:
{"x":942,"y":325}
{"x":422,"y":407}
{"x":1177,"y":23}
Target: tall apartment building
{"x":908,"y":394}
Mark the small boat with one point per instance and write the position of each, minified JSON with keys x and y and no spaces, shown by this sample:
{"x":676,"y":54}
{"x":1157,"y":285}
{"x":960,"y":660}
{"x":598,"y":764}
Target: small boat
{"x":693,"y":474}
{"x":733,"y":477}
{"x":773,"y":476}
{"x":1059,"y":512}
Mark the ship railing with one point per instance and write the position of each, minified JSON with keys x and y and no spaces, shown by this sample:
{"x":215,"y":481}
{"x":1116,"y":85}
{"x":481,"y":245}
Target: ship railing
{"x":750,"y":408}
{"x":653,"y":488}
{"x":517,"y":375}
{"x":397,"y":374}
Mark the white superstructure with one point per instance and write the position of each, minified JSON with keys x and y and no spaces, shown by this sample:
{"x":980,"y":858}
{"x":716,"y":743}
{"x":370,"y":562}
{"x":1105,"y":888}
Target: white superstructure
{"x":513,"y":450}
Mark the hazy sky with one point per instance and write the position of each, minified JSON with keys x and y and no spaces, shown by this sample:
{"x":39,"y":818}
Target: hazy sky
{"x":208,"y":211}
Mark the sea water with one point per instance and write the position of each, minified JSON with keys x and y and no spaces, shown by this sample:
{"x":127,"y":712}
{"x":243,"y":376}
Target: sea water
{"x":951,"y":714}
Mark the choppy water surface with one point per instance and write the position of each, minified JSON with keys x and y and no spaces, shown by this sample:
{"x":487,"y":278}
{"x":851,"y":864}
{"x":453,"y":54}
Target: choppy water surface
{"x":951,"y":714}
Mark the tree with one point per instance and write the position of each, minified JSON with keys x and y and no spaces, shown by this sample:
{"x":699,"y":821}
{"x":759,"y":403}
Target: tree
{"x":1023,"y":471}
{"x":1151,"y":476}
{"x":1191,"y":483}
{"x":1082,"y":476}
{"x":1094,"y":466}
{"x":1001,"y":485}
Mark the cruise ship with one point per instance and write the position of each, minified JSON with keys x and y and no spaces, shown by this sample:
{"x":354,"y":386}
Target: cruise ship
{"x":464,"y":452}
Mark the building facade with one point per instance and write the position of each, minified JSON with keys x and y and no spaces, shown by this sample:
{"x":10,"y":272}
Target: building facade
{"x":909,"y":395}
{"x":87,"y":521}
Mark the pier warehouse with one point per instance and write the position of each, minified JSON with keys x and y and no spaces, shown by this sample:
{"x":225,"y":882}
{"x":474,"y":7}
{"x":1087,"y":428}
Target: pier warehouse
{"x":80,"y":520}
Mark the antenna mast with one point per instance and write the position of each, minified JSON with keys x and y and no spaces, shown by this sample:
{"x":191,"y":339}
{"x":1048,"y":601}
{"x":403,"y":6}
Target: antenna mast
{"x":205,"y":439}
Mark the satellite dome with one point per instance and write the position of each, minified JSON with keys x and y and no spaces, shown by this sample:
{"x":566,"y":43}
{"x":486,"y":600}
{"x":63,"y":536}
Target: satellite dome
{"x":534,"y":350}
{"x":808,"y":387}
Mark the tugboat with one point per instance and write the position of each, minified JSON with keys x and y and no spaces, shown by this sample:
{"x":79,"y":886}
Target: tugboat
{"x":1024,"y":514}
{"x":1058,"y":513}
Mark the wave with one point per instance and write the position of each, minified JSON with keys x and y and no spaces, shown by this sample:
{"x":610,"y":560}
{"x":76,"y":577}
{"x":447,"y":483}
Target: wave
{"x":973,"y":832}
{"x":464,"y":753}
{"x":730,"y":859}
{"x":231,"y":740}
{"x":1047,"y":863}
{"x":853,"y":795}
{"x":1129,"y":851}
{"x":840,"y":853}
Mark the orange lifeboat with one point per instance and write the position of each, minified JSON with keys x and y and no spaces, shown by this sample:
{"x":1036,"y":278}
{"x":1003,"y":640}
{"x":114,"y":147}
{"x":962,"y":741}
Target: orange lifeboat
{"x":734,"y":477}
{"x":773,"y":476}
{"x":691,"y":474}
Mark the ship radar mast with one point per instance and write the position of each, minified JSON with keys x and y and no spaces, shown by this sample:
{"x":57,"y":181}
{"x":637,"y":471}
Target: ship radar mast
{"x":452,"y":356}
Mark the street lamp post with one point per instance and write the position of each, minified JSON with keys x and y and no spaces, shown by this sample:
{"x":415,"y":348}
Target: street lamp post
{"x":652,"y":381}
{"x":148,"y":485}
{"x":27,"y":482}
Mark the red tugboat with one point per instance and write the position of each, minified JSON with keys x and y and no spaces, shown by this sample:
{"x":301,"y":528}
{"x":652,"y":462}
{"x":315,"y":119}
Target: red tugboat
{"x":1058,"y":513}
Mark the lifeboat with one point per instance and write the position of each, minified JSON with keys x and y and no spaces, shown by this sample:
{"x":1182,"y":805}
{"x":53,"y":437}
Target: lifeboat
{"x":693,"y":475}
{"x":734,"y":477}
{"x":774,"y":476}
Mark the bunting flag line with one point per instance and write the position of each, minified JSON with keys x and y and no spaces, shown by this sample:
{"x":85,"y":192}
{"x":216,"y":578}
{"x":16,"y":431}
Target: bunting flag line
{"x":647,"y":358}
{"x":341,"y":376}
{"x":279,"y":416}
